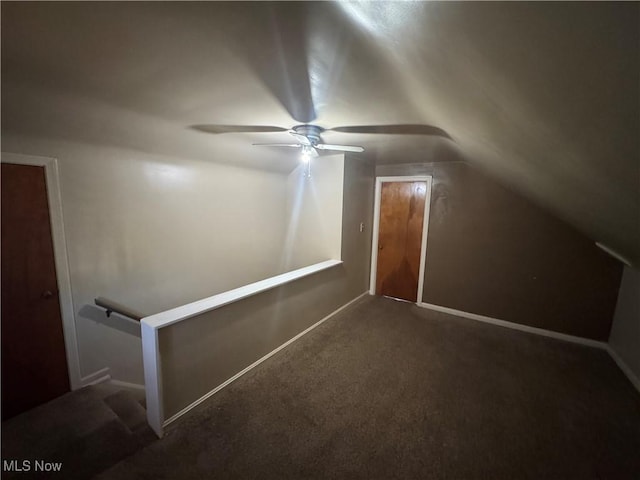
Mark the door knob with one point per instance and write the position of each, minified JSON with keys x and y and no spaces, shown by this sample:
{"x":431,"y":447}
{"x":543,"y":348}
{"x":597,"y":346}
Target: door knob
{"x":47,"y":294}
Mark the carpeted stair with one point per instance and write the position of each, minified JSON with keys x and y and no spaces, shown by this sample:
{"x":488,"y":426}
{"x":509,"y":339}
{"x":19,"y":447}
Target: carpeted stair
{"x":85,"y":431}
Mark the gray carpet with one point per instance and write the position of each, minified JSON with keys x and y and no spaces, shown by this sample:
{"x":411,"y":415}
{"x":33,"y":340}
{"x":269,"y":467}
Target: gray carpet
{"x":84,"y":432}
{"x":387,"y":390}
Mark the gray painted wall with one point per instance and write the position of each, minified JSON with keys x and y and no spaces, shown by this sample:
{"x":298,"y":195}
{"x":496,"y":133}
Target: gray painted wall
{"x":154,"y":232}
{"x":492,"y":252}
{"x":200,"y":353}
{"x":625,"y":331}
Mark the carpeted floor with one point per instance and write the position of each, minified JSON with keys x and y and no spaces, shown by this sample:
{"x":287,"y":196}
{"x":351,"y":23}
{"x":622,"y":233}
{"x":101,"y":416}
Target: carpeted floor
{"x":76,"y":436}
{"x":387,"y":390}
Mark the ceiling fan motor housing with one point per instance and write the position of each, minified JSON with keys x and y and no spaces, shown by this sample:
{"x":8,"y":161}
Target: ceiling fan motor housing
{"x":312,"y":132}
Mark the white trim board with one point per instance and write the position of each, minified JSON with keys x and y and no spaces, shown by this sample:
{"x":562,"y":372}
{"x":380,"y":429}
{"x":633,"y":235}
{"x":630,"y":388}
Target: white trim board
{"x":543,"y":332}
{"x":134,"y":387}
{"x":614,"y":254}
{"x":152,"y":377}
{"x":515,"y":326}
{"x":428,"y":179}
{"x":168,"y":317}
{"x":259,"y":361}
{"x":101,"y":376}
{"x":62,"y":264}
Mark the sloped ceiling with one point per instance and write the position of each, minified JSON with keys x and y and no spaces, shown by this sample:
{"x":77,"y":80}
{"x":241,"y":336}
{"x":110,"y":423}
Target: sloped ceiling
{"x":545,"y":96}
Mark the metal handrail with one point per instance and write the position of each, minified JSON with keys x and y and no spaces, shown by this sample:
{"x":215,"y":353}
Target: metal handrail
{"x":113,"y":307}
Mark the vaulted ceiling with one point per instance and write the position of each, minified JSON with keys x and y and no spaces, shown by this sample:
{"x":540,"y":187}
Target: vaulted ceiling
{"x":545,"y":96}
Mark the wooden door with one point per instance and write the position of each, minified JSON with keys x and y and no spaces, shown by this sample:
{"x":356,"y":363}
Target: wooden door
{"x":34,"y":364}
{"x":400,"y":239}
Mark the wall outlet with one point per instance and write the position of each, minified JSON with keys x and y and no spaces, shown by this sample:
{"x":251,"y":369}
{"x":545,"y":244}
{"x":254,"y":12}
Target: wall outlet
{"x":361,"y":226}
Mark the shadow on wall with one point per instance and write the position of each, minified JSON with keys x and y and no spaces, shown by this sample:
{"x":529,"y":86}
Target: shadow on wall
{"x":114,"y":320}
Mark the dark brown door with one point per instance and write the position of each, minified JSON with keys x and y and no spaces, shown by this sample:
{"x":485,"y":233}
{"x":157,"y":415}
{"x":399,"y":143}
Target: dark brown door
{"x":34,"y":364}
{"x":400,"y":239}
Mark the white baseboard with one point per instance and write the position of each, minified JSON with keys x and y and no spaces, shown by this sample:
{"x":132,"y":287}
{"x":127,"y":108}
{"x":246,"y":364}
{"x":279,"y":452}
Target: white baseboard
{"x":135,"y":387}
{"x":624,"y":367}
{"x":258,"y":362}
{"x":516,"y":326}
{"x":103,"y":375}
{"x":541,"y":331}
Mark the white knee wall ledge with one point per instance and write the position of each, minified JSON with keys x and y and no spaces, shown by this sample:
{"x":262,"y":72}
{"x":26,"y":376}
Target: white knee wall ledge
{"x":541,"y":331}
{"x":152,"y":324}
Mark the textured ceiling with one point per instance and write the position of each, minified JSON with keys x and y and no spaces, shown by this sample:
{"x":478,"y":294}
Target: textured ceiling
{"x":545,"y":96}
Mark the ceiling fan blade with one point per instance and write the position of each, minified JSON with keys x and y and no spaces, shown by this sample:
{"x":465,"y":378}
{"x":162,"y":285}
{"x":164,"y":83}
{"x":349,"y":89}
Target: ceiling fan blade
{"x":400,"y":129}
{"x":301,"y":138}
{"x":277,"y":54}
{"x":292,"y":145}
{"x":340,"y":148}
{"x":216,"y":129}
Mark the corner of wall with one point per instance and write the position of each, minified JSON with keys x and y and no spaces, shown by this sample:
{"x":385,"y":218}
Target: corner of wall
{"x":624,"y":339}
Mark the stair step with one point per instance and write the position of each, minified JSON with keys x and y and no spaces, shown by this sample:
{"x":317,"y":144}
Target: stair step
{"x":128,"y":410}
{"x":70,"y":416}
{"x":85,"y":430}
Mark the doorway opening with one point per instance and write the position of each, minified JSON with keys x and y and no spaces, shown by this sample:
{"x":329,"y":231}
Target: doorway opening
{"x":400,"y":229}
{"x":54,"y":293}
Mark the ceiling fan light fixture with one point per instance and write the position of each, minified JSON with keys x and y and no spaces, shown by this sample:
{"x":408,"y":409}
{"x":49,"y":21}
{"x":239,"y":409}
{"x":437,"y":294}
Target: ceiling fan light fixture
{"x":305,"y":156}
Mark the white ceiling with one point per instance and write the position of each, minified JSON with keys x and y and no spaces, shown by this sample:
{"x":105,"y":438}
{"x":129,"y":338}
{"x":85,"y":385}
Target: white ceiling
{"x":546,"y":96}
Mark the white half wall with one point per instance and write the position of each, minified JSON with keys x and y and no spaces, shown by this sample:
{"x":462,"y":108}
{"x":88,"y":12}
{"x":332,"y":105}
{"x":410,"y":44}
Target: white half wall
{"x":624,"y":339}
{"x":153,"y":232}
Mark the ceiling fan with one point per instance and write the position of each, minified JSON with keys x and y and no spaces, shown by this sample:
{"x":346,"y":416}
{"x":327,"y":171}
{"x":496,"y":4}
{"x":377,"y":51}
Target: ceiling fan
{"x":309,"y":138}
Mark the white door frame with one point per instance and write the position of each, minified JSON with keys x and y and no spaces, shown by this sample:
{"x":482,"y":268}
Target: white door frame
{"x":60,"y":257}
{"x":428,"y":179}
